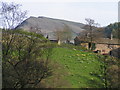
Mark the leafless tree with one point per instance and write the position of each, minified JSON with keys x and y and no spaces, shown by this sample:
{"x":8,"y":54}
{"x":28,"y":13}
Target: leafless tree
{"x":96,"y":34}
{"x":11,"y":15}
{"x":23,"y":66}
{"x":90,"y":24}
{"x":91,"y":31}
{"x":63,"y":35}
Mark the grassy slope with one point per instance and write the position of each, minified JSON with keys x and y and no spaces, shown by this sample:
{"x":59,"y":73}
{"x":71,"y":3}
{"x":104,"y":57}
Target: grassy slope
{"x":74,"y":69}
{"x":71,"y":68}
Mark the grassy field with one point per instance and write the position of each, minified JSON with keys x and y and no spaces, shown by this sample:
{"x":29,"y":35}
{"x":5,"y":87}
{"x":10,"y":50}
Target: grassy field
{"x":71,"y":66}
{"x":74,"y":68}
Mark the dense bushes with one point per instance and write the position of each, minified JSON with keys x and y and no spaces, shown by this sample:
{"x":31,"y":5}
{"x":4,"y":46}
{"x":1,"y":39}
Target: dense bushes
{"x":111,"y":71}
{"x":22,"y":63}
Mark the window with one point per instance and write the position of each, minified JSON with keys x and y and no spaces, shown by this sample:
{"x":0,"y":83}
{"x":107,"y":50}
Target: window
{"x":103,"y":50}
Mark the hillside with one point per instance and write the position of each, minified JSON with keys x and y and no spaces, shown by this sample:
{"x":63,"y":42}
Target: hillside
{"x":48,"y":25}
{"x":113,"y":29}
{"x":66,"y":66}
{"x":31,"y":61}
{"x":75,"y":69}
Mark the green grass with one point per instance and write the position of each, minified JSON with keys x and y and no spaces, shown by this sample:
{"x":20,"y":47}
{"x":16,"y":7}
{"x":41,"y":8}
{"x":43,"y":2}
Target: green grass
{"x":79,"y":69}
{"x":72,"y":66}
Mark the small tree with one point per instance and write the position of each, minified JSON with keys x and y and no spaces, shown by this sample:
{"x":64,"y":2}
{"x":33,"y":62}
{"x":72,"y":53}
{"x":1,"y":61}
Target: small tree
{"x":11,"y":15}
{"x":90,"y":31}
{"x":63,"y":35}
{"x":67,"y":32}
{"x":23,"y":65}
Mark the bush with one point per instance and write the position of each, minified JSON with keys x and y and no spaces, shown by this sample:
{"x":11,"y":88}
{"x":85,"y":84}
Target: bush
{"x":22,"y":61}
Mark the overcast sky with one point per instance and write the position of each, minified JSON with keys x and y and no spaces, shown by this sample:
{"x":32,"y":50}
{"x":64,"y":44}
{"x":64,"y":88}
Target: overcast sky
{"x":103,"y":12}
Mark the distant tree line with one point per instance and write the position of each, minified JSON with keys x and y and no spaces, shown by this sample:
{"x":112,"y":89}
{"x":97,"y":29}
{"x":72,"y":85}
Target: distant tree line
{"x":113,"y":29}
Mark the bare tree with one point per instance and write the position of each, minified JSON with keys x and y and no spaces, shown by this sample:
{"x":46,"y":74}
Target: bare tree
{"x":63,"y":35}
{"x":11,"y":15}
{"x":90,"y":24}
{"x":90,"y":31}
{"x":96,"y":34}
{"x":23,"y":66}
{"x":67,"y":33}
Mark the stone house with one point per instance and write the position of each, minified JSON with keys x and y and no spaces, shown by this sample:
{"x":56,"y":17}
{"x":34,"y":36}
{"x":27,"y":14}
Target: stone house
{"x":103,"y":45}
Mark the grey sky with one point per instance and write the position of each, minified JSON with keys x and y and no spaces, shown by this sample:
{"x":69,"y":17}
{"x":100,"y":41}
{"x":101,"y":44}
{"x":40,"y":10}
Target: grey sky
{"x":119,"y":11}
{"x":102,"y":12}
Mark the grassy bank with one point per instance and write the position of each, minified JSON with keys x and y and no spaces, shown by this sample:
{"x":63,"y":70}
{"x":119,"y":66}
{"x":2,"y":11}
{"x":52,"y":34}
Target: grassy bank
{"x":79,"y":69}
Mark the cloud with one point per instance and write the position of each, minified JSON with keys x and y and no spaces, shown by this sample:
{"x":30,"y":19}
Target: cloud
{"x":102,"y":12}
{"x":59,"y":1}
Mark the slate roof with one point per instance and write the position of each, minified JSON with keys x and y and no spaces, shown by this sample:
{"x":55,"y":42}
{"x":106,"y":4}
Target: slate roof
{"x":100,"y":40}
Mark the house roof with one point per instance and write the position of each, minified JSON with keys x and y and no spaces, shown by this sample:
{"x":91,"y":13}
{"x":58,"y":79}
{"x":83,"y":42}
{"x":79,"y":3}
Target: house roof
{"x":100,"y":40}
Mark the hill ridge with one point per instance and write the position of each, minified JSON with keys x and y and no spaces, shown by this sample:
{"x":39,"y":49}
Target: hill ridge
{"x":48,"y":25}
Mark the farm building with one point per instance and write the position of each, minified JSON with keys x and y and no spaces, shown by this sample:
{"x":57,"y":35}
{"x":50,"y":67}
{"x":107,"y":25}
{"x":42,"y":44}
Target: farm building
{"x":103,"y":45}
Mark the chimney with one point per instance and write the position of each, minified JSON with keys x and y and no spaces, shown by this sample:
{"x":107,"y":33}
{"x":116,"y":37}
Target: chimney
{"x":111,"y":37}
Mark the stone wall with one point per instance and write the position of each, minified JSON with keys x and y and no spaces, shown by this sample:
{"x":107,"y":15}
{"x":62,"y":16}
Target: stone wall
{"x":105,"y":48}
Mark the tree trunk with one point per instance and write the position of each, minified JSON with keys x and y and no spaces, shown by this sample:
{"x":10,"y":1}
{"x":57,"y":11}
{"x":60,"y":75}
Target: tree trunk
{"x":59,"y":42}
